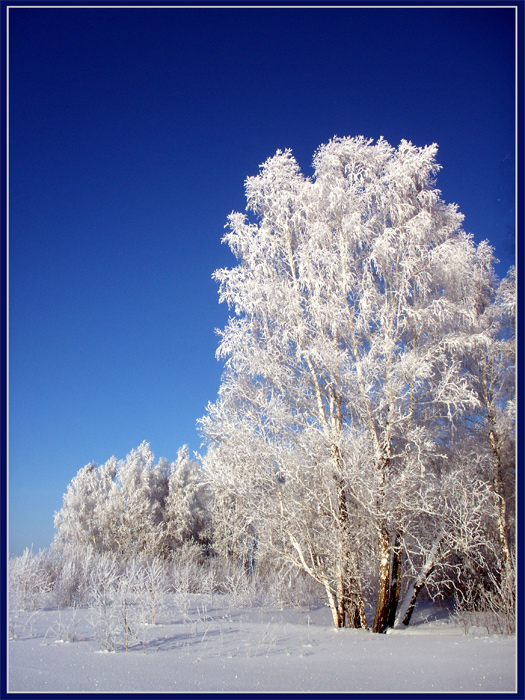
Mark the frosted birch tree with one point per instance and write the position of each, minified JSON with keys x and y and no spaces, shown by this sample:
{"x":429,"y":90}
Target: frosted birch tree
{"x":338,"y":373}
{"x":489,"y":355}
{"x":135,"y":502}
{"x":117,"y":507}
{"x":491,"y":366}
{"x":83,"y":518}
{"x":185,"y":512}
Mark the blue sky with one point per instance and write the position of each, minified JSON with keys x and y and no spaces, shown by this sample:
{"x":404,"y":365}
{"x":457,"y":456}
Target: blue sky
{"x":131,"y":134}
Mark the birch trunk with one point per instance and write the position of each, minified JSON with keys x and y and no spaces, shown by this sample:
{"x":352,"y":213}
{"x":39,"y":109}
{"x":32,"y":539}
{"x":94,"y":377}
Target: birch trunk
{"x":349,"y":582}
{"x":500,"y":505}
{"x":334,"y":606}
{"x":383,"y":583}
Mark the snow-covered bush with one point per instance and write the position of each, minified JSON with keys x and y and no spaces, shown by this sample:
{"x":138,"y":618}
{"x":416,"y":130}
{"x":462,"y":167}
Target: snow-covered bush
{"x":153,"y":577}
{"x":130,"y":602}
{"x":289,"y":587}
{"x":103,"y":582}
{"x":31,"y":578}
{"x":73,"y":565}
{"x":67,"y":627}
{"x":190,"y":571}
{"x":485,"y":600}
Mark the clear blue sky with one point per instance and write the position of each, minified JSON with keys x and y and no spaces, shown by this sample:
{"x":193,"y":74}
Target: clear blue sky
{"x":131,"y":134}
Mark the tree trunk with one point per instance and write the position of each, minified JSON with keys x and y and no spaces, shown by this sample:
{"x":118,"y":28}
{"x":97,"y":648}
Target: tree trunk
{"x":355,"y":610}
{"x":406,"y":608}
{"x":409,"y":601}
{"x":383,"y":584}
{"x":500,"y":505}
{"x":395,"y":580}
{"x":383,"y":538}
{"x":334,"y":605}
{"x":349,"y":583}
{"x":341,"y":595}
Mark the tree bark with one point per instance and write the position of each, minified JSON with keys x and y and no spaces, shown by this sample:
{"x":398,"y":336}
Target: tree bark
{"x":383,"y":583}
{"x":383,"y":542}
{"x":409,"y":603}
{"x":406,"y":608}
{"x":334,"y":605}
{"x":395,"y":580}
{"x":500,"y":504}
{"x":349,"y":583}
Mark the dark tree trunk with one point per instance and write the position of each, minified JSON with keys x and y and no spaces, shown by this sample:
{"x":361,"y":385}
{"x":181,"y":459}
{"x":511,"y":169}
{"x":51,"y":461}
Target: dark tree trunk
{"x":395,"y":581}
{"x":413,"y":599}
{"x":409,"y":602}
{"x":350,"y":597}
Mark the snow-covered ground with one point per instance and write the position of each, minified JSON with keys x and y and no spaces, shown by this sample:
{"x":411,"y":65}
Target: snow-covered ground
{"x":205,"y":644}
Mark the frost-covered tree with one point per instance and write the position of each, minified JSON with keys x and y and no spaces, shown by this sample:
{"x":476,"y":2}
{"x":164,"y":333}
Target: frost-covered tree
{"x":185,"y":513}
{"x":139,"y":526}
{"x":133,"y":507}
{"x":339,"y":377}
{"x":83,"y":517}
{"x":489,"y":354}
{"x":30,"y":578}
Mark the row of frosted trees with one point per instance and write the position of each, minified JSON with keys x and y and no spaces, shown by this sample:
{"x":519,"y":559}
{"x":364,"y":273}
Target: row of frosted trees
{"x":364,"y":430}
{"x":134,"y":507}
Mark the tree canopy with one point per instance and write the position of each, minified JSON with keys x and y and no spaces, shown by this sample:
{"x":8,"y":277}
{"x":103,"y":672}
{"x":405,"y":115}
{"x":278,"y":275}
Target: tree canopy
{"x":356,"y":295}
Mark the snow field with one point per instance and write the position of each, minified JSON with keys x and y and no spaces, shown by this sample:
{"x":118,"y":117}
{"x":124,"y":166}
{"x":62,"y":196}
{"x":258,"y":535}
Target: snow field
{"x":208,"y":645}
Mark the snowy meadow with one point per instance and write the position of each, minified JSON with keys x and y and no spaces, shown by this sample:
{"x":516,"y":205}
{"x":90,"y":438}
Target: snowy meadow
{"x":210,"y":643}
{"x":189,"y":625}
